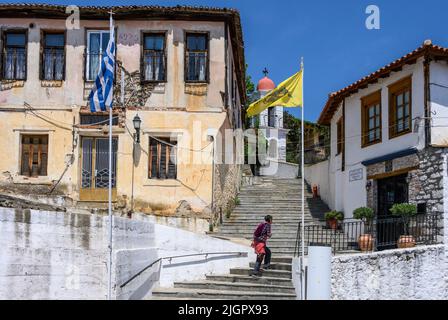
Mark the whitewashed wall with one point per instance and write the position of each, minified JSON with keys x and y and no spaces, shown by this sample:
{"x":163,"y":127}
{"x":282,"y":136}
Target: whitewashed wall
{"x":176,"y":242}
{"x":57,"y":255}
{"x":439,"y":103}
{"x":410,"y":274}
{"x":319,"y":174}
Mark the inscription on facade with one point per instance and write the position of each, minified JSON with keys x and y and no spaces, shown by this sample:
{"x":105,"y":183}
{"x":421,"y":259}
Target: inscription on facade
{"x":356,"y":175}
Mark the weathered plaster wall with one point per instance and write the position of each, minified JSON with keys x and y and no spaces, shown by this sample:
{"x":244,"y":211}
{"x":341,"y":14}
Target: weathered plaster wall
{"x":173,"y":107}
{"x":409,"y":274}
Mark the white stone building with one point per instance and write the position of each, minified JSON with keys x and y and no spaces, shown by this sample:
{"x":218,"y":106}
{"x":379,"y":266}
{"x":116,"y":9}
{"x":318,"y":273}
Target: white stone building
{"x":270,"y":121}
{"x":389,"y":137}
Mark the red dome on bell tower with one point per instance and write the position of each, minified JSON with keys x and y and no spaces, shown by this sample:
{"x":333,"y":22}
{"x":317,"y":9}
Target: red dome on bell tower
{"x":265,"y":84}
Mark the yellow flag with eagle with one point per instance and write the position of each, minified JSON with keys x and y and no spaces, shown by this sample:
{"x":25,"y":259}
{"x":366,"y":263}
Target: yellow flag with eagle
{"x":288,"y":94}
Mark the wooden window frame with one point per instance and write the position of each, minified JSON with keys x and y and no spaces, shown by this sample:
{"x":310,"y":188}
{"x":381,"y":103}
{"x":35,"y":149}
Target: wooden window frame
{"x":167,"y":157}
{"x":144,"y":34}
{"x":207,"y":50}
{"x":368,"y":102}
{"x":43,"y":33}
{"x":3,"y":49}
{"x":340,"y":139}
{"x":396,"y":89}
{"x":31,"y":153}
{"x":87,"y":31}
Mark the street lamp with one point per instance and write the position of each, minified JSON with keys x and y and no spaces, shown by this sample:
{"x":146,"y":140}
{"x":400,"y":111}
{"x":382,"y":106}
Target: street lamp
{"x":137,"y":125}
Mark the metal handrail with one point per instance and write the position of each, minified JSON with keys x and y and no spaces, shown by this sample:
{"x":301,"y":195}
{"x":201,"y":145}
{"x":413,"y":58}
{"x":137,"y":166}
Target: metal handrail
{"x":240,"y":254}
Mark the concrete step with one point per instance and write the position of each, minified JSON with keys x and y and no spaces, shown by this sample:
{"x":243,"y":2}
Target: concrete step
{"x":276,"y":266}
{"x":280,"y":259}
{"x":227,"y":286}
{"x":220,"y":295}
{"x":248,"y":279}
{"x":250,"y":228}
{"x":254,"y":222}
{"x":267,"y":273}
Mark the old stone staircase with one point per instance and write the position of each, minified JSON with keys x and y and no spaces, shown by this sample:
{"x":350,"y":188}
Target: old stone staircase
{"x":275,"y":284}
{"x":280,"y":198}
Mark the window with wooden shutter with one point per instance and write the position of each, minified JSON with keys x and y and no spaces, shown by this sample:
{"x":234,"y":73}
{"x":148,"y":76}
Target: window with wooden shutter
{"x":34,"y":155}
{"x":162,"y":159}
{"x":400,"y":108}
{"x":371,"y":119}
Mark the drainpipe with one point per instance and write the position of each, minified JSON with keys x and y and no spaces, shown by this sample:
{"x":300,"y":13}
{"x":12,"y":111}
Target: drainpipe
{"x":427,"y":96}
{"x":212,"y":140}
{"x":445,"y":201}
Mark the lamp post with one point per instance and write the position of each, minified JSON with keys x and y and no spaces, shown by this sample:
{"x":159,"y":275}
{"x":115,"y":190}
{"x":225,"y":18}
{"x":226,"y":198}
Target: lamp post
{"x":137,"y":126}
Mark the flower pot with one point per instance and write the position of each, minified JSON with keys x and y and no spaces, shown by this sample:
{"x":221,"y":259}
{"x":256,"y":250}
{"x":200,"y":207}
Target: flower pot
{"x":406,"y":242}
{"x":333,"y":224}
{"x":365,"y":242}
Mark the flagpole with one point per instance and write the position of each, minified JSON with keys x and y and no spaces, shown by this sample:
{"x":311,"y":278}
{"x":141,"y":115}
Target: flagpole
{"x":303,"y":180}
{"x":109,"y":282}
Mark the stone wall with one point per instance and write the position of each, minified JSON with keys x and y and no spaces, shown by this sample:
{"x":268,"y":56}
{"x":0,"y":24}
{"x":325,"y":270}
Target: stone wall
{"x":424,"y":177}
{"x":410,"y":274}
{"x":227,"y":182}
{"x":430,"y":176}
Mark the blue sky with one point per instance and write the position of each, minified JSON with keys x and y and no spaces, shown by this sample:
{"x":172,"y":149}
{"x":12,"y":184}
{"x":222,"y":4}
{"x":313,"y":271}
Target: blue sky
{"x":331,"y":35}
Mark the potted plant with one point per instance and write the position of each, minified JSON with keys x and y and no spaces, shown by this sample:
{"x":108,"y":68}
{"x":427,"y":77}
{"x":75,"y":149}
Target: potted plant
{"x":333,"y":217}
{"x":365,"y":240}
{"x":405,"y":211}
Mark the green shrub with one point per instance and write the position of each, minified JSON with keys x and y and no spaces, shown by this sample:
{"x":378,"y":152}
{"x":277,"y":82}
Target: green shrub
{"x":338,"y":215}
{"x":237,"y":201}
{"x":404,"y":209}
{"x":363,"y":213}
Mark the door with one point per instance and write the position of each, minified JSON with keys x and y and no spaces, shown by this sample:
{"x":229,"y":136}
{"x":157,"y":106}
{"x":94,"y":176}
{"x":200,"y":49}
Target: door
{"x":95,"y":169}
{"x":389,"y":228}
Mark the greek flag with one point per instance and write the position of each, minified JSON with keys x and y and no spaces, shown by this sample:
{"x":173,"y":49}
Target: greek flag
{"x":102,"y":93}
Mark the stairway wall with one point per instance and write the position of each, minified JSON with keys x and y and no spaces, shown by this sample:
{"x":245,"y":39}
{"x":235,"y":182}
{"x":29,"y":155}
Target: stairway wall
{"x":175,"y":242}
{"x":57,"y":255}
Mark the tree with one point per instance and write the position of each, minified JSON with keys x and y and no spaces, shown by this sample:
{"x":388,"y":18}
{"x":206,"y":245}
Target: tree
{"x":294,"y":140}
{"x":250,"y":86}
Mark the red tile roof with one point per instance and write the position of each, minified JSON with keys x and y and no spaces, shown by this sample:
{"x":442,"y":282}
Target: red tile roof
{"x":427,"y":49}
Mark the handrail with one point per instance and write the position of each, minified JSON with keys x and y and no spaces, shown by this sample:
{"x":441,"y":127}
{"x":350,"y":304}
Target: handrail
{"x":243,"y":254}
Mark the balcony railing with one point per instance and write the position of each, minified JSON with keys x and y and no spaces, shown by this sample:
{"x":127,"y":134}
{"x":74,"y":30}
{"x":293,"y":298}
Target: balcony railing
{"x":377,"y":235}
